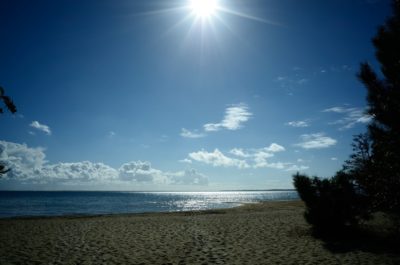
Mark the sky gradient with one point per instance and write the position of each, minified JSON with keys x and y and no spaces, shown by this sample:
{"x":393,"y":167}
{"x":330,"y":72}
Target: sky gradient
{"x":146,"y":95}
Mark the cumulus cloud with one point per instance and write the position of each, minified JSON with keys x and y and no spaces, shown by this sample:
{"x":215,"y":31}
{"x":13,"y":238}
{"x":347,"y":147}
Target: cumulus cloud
{"x":191,"y":134}
{"x":243,"y":158}
{"x":71,"y":173}
{"x":239,"y":152}
{"x":297,"y":124}
{"x":139,"y":171}
{"x":316,"y":141}
{"x":275,"y":148}
{"x":234,"y":118}
{"x":188,"y":177}
{"x":41,"y":127}
{"x":23,"y":160}
{"x":28,"y":165}
{"x":217,"y":158}
{"x":260,"y":159}
{"x":349,"y":117}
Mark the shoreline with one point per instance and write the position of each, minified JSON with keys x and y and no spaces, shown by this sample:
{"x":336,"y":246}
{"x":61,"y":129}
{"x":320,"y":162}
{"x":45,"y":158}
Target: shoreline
{"x":272,"y":232}
{"x":69,"y":216}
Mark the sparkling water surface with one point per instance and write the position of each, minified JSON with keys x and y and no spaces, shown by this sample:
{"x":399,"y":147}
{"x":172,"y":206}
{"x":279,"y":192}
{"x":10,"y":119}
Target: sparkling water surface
{"x":58,"y":203}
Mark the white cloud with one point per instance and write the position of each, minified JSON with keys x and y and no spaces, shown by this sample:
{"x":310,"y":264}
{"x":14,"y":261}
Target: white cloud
{"x":139,"y":171}
{"x":336,"y":109}
{"x":316,"y":141}
{"x":297,"y":123}
{"x":261,"y":155}
{"x":234,"y":118}
{"x":217,"y":158}
{"x":239,"y":152}
{"x":275,"y":148}
{"x":191,"y":134}
{"x":76,"y":172}
{"x":186,"y":160}
{"x":334,"y":158}
{"x":41,"y":127}
{"x":28,"y":165}
{"x":350,"y":117}
{"x":188,"y":177}
{"x":260,"y":159}
{"x":249,"y":158}
{"x":296,"y":168}
{"x":23,"y":160}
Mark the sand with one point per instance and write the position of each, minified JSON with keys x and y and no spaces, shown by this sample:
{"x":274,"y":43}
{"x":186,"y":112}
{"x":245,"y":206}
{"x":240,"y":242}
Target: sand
{"x":265,"y":233}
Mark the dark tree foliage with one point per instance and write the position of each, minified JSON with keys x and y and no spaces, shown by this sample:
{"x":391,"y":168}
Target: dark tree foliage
{"x":7,"y":102}
{"x":332,"y":204}
{"x":380,"y":178}
{"x":11,"y":107}
{"x":3,"y":170}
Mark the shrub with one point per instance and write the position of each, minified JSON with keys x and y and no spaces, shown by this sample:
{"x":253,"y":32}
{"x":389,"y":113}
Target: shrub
{"x":331,"y":204}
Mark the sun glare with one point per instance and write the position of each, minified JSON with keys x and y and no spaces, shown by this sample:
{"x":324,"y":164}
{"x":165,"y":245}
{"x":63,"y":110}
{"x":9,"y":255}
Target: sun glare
{"x":203,"y":8}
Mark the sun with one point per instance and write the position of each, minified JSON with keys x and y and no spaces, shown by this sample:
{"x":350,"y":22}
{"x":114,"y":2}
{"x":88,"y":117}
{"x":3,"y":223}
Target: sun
{"x":204,"y":8}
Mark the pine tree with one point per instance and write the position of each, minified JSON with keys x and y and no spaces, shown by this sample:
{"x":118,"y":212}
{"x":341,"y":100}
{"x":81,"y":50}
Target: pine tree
{"x":381,"y":181}
{"x":11,"y":107}
{"x":7,"y":101}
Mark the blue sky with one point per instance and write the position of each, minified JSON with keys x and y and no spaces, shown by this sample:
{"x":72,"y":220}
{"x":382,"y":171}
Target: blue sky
{"x":150,"y":95}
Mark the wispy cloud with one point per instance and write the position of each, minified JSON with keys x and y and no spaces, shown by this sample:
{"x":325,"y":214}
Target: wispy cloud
{"x":296,"y":168}
{"x":41,"y":127}
{"x":302,"y":81}
{"x":111,"y":134}
{"x":298,"y":124}
{"x":349,"y":117}
{"x":191,"y":134}
{"x":316,"y":141}
{"x":234,"y":118}
{"x":186,"y":160}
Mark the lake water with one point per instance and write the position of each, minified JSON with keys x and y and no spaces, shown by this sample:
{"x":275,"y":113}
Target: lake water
{"x":58,"y":203}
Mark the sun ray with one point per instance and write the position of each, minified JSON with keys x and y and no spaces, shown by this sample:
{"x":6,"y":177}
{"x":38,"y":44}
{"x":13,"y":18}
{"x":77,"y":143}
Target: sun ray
{"x":246,"y":16}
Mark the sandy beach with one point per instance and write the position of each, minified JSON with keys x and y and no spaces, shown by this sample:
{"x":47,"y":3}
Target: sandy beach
{"x":265,"y":233}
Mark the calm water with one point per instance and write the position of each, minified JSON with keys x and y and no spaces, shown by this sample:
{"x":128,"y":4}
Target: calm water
{"x":39,"y":203}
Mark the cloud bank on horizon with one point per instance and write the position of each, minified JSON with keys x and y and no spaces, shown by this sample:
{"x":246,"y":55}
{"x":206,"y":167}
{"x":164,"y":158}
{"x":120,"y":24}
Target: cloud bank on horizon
{"x":30,"y":169}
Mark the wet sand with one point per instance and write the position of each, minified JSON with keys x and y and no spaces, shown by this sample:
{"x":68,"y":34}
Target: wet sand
{"x":265,"y":233}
